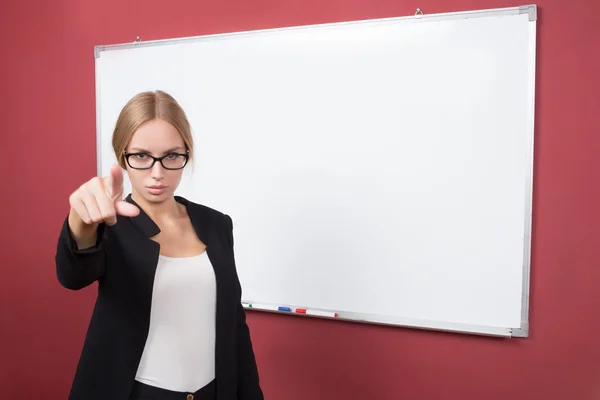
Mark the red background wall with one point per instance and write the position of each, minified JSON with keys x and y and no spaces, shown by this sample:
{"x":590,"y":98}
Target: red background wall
{"x":48,"y":148}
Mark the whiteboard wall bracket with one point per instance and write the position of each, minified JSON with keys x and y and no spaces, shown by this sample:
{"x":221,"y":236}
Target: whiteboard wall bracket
{"x":521,"y":332}
{"x":531,"y":10}
{"x":98,"y":49}
{"x":419,"y":12}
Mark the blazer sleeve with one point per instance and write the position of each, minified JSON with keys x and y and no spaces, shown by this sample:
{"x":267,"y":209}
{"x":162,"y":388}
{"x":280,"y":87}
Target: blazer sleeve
{"x":78,"y":268}
{"x":248,"y":379}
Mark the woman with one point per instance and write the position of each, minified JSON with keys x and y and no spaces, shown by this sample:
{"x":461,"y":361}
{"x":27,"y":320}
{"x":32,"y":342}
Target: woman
{"x":168,"y":322}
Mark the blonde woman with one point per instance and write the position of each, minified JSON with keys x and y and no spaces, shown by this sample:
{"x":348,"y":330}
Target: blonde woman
{"x":168,"y":323}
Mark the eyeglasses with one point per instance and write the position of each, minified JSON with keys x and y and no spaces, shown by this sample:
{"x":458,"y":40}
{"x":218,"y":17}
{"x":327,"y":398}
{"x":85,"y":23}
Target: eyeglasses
{"x":171,"y":161}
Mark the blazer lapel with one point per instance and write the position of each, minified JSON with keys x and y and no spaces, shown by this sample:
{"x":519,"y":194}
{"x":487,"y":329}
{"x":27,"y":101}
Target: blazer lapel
{"x":143,"y":221}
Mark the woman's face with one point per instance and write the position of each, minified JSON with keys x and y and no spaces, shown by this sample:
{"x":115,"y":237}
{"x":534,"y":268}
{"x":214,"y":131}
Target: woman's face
{"x":155,"y":138}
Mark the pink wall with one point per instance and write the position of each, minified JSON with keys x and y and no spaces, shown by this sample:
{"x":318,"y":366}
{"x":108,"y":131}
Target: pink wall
{"x":48,"y":149}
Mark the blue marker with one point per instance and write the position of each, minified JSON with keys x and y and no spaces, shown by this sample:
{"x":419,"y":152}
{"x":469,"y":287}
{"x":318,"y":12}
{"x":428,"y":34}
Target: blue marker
{"x":285,"y":309}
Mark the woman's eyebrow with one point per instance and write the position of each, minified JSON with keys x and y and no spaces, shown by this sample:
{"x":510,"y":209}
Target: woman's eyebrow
{"x":140,"y":150}
{"x":178,"y":148}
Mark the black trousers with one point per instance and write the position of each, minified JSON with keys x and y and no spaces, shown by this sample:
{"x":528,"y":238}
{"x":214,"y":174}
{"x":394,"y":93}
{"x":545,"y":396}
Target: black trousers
{"x":141,"y":391}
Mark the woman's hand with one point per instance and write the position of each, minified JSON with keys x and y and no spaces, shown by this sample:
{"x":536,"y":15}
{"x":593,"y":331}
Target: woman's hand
{"x":96,"y":201}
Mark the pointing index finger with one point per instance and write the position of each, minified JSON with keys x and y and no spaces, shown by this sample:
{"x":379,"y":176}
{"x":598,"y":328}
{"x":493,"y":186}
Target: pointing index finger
{"x":114,"y":182}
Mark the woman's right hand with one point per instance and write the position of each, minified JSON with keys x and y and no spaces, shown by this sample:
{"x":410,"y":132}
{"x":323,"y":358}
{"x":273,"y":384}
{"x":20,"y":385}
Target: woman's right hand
{"x":98,"y":200}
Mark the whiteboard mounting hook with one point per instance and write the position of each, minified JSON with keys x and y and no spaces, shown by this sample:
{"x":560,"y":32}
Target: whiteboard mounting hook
{"x":419,"y":12}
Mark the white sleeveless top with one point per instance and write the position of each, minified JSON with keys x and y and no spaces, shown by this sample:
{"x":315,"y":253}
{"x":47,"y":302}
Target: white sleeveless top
{"x":180,"y":350}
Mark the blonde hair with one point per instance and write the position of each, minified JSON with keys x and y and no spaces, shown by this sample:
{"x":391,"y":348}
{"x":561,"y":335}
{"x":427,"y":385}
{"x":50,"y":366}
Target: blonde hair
{"x":144,"y":107}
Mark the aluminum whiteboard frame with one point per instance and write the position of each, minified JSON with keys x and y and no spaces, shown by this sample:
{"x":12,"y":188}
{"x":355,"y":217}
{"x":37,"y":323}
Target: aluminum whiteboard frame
{"x":521,"y":331}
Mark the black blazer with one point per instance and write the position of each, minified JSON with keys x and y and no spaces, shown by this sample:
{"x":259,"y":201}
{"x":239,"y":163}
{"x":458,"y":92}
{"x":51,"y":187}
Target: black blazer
{"x":124,"y":261}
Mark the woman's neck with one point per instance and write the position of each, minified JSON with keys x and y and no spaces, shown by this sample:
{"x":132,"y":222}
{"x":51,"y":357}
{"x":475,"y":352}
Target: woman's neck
{"x":167,"y":209}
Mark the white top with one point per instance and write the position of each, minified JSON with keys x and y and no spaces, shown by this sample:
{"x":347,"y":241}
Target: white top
{"x":180,"y":349}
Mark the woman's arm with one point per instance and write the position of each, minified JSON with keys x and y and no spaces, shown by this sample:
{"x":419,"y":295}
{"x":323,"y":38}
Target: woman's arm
{"x":248,"y":383}
{"x":81,"y":250}
{"x":78,"y":267}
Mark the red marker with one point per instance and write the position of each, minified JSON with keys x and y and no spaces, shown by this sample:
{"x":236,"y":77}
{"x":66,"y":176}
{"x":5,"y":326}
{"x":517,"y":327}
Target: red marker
{"x":317,"y":313}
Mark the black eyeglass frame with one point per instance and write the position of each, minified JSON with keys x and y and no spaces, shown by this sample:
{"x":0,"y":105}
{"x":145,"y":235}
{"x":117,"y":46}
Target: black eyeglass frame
{"x":159,"y":159}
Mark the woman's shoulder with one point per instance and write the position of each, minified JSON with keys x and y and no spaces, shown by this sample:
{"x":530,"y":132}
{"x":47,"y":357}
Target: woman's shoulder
{"x":205,"y":212}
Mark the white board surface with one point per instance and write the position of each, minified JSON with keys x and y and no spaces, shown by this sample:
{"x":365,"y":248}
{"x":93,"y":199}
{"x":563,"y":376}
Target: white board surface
{"x":379,"y":169}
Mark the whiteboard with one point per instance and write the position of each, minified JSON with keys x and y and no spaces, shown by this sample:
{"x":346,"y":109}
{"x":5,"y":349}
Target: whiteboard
{"x":378,"y":169}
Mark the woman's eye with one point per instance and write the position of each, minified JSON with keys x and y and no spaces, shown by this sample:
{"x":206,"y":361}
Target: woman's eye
{"x":141,"y":156}
{"x":172,"y":156}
